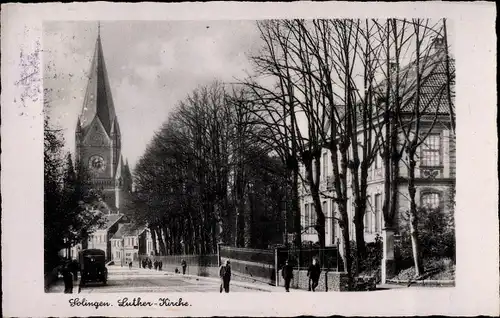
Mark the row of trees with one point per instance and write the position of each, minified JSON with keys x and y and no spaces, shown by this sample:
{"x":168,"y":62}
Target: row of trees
{"x":358,"y":88}
{"x":69,"y":199}
{"x":207,"y":177}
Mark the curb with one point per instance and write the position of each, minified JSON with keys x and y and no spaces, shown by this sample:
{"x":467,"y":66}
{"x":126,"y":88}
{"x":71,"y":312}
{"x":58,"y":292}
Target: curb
{"x":427,"y":283}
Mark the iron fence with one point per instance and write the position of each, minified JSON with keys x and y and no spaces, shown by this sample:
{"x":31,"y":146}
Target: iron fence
{"x":301,"y":258}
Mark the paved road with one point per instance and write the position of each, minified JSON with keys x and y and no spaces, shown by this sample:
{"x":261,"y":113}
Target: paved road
{"x":122,"y":279}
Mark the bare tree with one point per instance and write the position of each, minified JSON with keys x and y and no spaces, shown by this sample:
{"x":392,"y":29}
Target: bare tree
{"x":424,"y":94}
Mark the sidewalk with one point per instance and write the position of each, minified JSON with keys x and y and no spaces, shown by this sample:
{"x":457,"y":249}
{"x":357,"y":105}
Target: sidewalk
{"x":253,"y":286}
{"x":58,"y":286}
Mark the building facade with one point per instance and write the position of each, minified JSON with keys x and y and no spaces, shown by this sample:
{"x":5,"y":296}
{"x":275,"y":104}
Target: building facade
{"x":125,"y":244}
{"x":434,"y":173}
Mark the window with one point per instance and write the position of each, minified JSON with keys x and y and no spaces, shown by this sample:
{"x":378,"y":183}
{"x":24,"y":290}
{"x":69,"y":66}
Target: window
{"x":325,"y":166}
{"x":430,"y":200}
{"x":368,"y":216}
{"x":431,"y":151}
{"x":378,"y":212}
{"x":325,"y":212}
{"x":303,"y":219}
{"x":314,"y":170}
{"x":378,"y":160}
{"x":306,"y":214}
{"x":313,"y":219}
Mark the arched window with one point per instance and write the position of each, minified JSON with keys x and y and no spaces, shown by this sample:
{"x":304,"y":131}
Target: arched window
{"x":430,"y":199}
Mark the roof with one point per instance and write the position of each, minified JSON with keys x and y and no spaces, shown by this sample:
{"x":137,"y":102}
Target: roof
{"x":111,"y":219}
{"x":128,"y":229}
{"x":98,"y":100}
{"x":433,"y":87}
{"x":433,"y":93}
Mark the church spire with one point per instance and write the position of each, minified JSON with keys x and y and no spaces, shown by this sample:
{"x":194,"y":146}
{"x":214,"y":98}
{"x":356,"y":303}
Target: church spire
{"x":98,"y":100}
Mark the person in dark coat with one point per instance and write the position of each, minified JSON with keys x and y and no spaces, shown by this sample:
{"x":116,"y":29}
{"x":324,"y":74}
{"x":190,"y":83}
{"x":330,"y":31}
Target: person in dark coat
{"x":130,"y":265}
{"x":67,"y":279}
{"x":287,"y":273}
{"x":314,"y":272}
{"x":74,"y":269}
{"x":150,"y":264}
{"x":160,"y":265}
{"x":184,"y":265}
{"x":225,"y":276}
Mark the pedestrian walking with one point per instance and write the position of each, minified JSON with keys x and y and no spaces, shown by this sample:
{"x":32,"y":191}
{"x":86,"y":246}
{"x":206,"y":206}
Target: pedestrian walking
{"x":313,"y":273}
{"x":183,"y":265}
{"x":67,"y":279}
{"x":150,"y":264}
{"x":130,"y":265}
{"x":225,"y":276}
{"x":287,"y":273}
{"x":161,"y":265}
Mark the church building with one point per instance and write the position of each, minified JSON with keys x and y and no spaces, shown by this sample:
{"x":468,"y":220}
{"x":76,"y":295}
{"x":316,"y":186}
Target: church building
{"x":98,"y":137}
{"x":98,"y":149}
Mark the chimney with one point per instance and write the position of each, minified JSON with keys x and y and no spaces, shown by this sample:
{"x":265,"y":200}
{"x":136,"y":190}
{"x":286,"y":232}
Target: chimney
{"x":437,"y":44}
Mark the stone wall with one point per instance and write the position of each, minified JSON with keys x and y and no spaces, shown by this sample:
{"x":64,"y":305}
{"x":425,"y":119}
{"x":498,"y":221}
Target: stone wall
{"x":328,"y":281}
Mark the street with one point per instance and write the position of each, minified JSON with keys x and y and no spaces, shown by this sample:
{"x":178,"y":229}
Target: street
{"x":123,"y":279}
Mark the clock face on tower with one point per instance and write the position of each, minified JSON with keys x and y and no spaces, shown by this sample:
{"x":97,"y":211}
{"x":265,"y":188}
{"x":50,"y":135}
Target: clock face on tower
{"x":97,"y":164}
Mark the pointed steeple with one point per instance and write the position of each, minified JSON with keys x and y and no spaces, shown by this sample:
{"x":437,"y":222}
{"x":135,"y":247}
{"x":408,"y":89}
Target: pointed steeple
{"x":98,"y":100}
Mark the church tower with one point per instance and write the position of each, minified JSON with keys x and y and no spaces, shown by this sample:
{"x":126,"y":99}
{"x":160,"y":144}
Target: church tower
{"x":98,"y":137}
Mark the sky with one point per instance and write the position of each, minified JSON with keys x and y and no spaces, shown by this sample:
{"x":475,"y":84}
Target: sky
{"x":152,"y":66}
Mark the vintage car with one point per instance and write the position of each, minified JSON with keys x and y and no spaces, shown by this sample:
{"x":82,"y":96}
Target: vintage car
{"x":93,"y":266}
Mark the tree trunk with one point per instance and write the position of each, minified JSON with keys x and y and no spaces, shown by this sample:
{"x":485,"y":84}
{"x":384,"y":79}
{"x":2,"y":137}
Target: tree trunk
{"x":296,"y":208}
{"x":360,"y":240}
{"x":320,"y":220}
{"x":347,"y":248}
{"x":247,"y":220}
{"x":414,"y":215}
{"x":359,"y":215}
{"x":153,"y":237}
{"x":161,"y":242}
{"x":314,"y":188}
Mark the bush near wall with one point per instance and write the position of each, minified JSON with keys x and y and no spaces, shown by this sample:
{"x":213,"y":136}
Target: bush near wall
{"x":436,"y":238}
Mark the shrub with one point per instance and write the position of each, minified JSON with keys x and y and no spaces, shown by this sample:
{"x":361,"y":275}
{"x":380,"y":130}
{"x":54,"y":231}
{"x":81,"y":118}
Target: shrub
{"x":436,"y":238}
{"x":370,"y":266}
